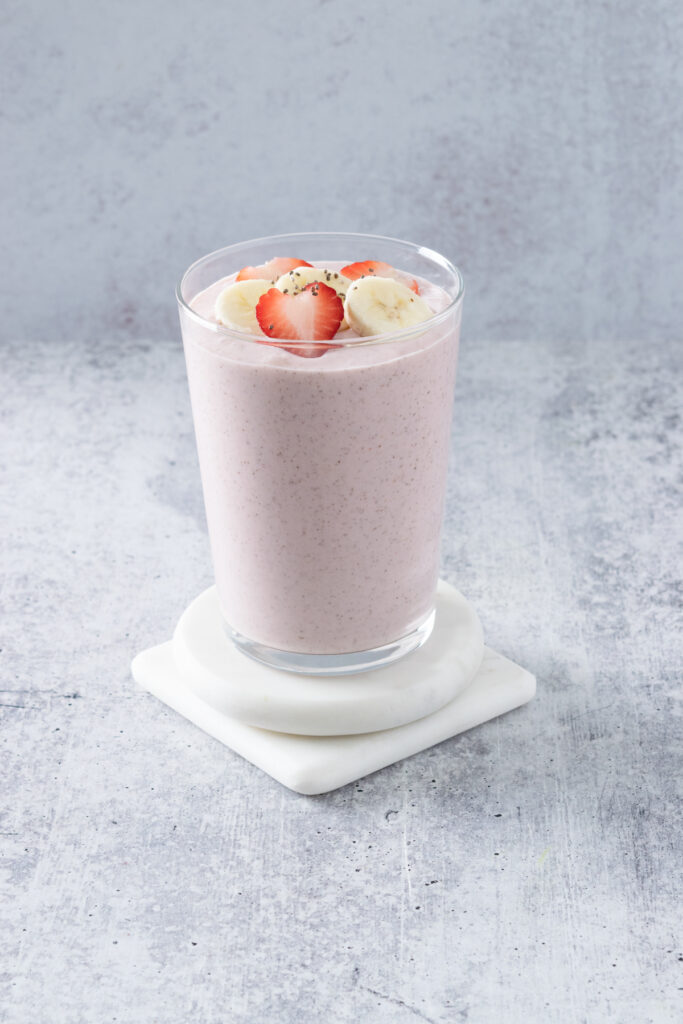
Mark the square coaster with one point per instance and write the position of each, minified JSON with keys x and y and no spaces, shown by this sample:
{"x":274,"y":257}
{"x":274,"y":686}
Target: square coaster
{"x":318,"y":764}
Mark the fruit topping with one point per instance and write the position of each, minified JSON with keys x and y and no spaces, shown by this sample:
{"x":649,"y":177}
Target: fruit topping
{"x":376,"y":268}
{"x":272,"y":270}
{"x":296,"y":280}
{"x":236,"y":305}
{"x":313,"y":314}
{"x":381,"y":305}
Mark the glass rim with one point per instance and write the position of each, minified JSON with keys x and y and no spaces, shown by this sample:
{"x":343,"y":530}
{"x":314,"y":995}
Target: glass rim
{"x":406,"y":332}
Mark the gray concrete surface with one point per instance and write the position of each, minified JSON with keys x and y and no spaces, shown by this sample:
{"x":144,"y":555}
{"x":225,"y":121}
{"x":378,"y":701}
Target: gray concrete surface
{"x":539,"y":145}
{"x":526,"y":871}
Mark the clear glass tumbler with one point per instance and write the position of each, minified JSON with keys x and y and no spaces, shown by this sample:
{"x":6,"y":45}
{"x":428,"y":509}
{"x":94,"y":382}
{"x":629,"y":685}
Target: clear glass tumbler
{"x":324,"y":478}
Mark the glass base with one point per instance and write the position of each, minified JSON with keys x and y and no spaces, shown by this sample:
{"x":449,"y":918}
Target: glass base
{"x":334,"y":664}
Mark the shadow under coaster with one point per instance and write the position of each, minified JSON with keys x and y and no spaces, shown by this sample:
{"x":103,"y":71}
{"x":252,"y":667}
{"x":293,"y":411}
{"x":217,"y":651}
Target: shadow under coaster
{"x":316,"y":733}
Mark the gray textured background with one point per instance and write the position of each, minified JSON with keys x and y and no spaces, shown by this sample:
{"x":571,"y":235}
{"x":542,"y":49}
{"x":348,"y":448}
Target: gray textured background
{"x":527,"y":871}
{"x":537,"y":144}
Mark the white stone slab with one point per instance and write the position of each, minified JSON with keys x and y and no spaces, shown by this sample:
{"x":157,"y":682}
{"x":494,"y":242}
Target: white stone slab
{"x":417,"y":685}
{"x":317,"y":764}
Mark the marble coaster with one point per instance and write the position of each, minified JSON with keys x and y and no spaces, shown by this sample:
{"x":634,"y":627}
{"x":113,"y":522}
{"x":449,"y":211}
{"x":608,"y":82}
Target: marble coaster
{"x":415,"y":686}
{"x":312,"y":764}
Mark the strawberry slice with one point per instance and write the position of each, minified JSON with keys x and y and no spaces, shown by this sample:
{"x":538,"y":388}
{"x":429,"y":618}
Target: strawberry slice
{"x":313,"y":314}
{"x":272,"y":270}
{"x":379,"y":269}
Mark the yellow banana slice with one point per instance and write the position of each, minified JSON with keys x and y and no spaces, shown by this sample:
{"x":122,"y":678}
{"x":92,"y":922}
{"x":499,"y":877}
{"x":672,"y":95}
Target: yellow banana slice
{"x":380,"y":305}
{"x":236,"y":305}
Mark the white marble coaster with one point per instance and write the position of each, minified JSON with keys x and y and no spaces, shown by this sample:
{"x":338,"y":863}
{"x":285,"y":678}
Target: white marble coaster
{"x":415,"y":686}
{"x":316,"y":764}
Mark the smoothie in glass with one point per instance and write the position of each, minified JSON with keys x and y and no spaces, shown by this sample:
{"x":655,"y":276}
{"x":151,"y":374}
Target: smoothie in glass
{"x":324,"y":476}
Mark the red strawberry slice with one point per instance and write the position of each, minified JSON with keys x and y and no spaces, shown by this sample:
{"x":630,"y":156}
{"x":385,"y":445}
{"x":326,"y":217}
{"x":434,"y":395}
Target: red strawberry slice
{"x":272,"y":270}
{"x":379,"y":269}
{"x":313,"y":314}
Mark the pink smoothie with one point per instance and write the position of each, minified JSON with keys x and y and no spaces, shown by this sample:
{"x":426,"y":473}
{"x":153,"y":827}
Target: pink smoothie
{"x":323,"y":480}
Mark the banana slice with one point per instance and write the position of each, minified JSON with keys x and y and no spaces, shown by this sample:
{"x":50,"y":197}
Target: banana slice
{"x":379,"y":305}
{"x":296,"y":280}
{"x":236,"y":305}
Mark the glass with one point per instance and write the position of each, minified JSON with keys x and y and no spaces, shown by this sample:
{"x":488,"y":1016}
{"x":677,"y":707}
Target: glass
{"x":324,"y":478}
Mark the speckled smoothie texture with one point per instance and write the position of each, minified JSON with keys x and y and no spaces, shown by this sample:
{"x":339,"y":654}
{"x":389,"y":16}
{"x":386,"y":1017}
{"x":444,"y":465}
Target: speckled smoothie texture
{"x":323,"y":480}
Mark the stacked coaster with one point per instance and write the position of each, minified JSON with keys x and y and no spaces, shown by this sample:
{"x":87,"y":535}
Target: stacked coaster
{"x":316,"y":733}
